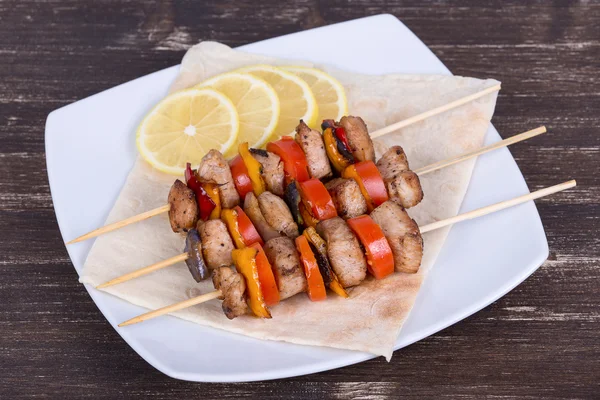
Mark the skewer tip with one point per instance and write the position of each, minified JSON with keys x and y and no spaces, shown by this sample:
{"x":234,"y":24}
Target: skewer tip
{"x":128,"y":322}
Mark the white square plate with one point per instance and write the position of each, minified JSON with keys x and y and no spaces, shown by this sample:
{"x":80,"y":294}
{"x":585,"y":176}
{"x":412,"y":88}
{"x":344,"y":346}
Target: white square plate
{"x":90,"y":149}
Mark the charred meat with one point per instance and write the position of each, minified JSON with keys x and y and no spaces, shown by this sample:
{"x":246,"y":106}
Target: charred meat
{"x":277,"y":214}
{"x":252,"y":210}
{"x":216,"y":243}
{"x":344,"y":251}
{"x":288,"y":271}
{"x":359,"y":140}
{"x":272,"y":170}
{"x":349,"y":201}
{"x":232,"y":286}
{"x":312,"y":144}
{"x":214,"y":169}
{"x":183,"y":211}
{"x":402,"y":184}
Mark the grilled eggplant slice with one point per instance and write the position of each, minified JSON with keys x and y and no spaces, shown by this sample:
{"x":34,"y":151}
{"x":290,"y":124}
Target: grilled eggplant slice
{"x":195,"y":261}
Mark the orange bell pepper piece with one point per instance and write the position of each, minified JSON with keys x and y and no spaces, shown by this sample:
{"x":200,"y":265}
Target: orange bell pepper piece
{"x":316,"y":286}
{"x":212,"y":191}
{"x":380,"y":260}
{"x":295,"y":165}
{"x":240,"y":227}
{"x":245,"y":263}
{"x":329,"y":276}
{"x":254,"y":169}
{"x":317,"y":199}
{"x":265,"y":276}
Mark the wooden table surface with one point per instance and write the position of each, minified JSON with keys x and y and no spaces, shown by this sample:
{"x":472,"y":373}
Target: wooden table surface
{"x":540,"y":340}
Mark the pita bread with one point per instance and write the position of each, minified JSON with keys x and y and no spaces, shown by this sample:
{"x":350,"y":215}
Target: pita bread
{"x":372,"y":317}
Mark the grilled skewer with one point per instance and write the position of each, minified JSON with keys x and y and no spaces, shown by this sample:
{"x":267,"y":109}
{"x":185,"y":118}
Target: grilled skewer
{"x":421,"y":171}
{"x":427,"y":228}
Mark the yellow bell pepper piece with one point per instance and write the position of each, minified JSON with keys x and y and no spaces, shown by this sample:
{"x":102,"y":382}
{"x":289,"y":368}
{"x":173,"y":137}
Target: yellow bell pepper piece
{"x":254,"y":169}
{"x":245,"y":263}
{"x":337,"y":159}
{"x":229,"y":216}
{"x":213,"y":192}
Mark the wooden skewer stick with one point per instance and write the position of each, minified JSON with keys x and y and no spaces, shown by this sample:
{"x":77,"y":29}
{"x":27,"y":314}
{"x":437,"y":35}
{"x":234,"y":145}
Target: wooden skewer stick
{"x":499,"y":206}
{"x":427,"y":228}
{"x":435,"y":111}
{"x":424,"y":170}
{"x":503,"y":143}
{"x":122,"y":223}
{"x":173,"y":307}
{"x":146,"y":270}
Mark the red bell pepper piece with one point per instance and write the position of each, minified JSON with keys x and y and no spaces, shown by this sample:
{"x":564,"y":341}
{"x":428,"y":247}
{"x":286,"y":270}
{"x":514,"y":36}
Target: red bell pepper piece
{"x":247,"y":229}
{"x":294,"y":160}
{"x":205,"y":203}
{"x":341,"y":134}
{"x":265,"y":276}
{"x":369,"y":180}
{"x":316,"y":286}
{"x":380,"y":260}
{"x":317,"y":199}
{"x":241,"y":179}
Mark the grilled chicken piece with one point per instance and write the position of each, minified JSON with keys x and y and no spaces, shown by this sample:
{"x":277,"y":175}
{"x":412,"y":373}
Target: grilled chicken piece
{"x":252,"y":210}
{"x":349,"y":201}
{"x":402,"y":184}
{"x":359,"y":140}
{"x":288,"y":271}
{"x":277,"y":214}
{"x":403,"y":235}
{"x":344,"y":251}
{"x":272,"y":170}
{"x":214,"y":169}
{"x":312,"y":144}
{"x":233,"y":286}
{"x":216,"y":243}
{"x":183,"y":213}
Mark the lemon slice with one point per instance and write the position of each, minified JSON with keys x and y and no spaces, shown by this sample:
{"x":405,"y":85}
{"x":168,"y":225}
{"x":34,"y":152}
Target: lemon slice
{"x":329,"y":93}
{"x":295,"y":98}
{"x":184,"y":126}
{"x":257,"y":106}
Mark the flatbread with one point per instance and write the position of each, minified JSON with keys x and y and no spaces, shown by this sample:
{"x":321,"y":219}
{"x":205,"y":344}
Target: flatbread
{"x":372,"y":317}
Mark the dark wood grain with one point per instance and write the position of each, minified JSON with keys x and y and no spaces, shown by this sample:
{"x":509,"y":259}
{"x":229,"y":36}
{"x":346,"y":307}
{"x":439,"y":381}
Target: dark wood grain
{"x":542,"y":340}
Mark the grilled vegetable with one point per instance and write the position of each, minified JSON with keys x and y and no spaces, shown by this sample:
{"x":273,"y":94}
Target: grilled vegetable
{"x":245,"y":263}
{"x":306,"y":216}
{"x":338,"y":154}
{"x":316,"y":286}
{"x":254,"y":169}
{"x":195,"y":261}
{"x":241,"y":178}
{"x":380,"y":260}
{"x":319,"y":248}
{"x":265,"y":276}
{"x":292,"y":199}
{"x":205,"y":204}
{"x":366,"y":174}
{"x":316,"y":199}
{"x":294,"y":160}
{"x":240,"y":227}
{"x":212,"y":191}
